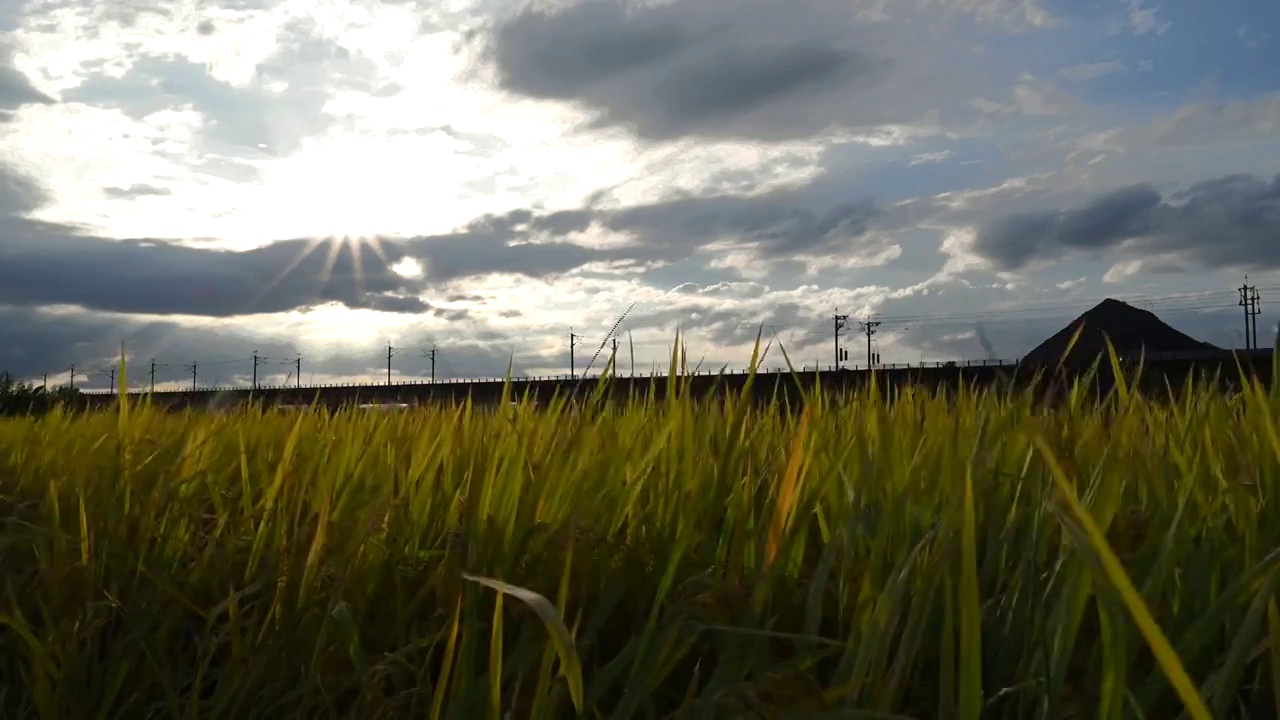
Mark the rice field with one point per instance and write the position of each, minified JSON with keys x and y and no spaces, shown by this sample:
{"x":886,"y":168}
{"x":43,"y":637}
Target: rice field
{"x":977,"y":555}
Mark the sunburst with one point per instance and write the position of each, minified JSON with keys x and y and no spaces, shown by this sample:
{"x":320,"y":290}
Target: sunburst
{"x":353,"y":244}
{"x":335,"y":245}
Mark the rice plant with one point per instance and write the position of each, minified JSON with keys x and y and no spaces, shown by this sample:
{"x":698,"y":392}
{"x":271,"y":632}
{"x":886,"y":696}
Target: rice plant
{"x":970,"y":555}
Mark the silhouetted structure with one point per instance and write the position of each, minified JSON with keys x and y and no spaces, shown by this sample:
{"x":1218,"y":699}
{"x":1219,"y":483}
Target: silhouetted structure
{"x":1131,"y":330}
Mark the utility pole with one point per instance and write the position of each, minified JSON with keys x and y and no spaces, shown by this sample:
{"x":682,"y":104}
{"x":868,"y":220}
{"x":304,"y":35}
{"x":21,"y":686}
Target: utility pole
{"x":391,"y":352}
{"x":257,"y":360}
{"x":153,"y":373}
{"x":613,"y":357}
{"x":44,"y":383}
{"x":1248,"y":297}
{"x":111,"y":371}
{"x":192,"y":367}
{"x":839,"y":322}
{"x":573,"y":342}
{"x":431,"y":355}
{"x":297,"y":372}
{"x":73,"y":377}
{"x":869,"y":329}
{"x":1255,"y":310}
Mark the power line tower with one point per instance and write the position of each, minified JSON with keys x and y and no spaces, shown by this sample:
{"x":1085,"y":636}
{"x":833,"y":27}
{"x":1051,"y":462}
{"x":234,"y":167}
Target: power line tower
{"x":839,"y":322}
{"x":573,"y":343}
{"x":257,"y":360}
{"x":195,"y":364}
{"x":391,"y":352}
{"x":869,"y":329}
{"x":431,"y":355}
{"x":1249,"y":301}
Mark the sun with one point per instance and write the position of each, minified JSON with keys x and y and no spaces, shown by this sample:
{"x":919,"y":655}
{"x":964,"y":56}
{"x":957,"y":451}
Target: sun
{"x":334,"y":245}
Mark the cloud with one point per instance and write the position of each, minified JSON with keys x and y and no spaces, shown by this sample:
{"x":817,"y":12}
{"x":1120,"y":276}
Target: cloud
{"x":282,"y":105}
{"x":136,"y":190}
{"x":50,"y":264}
{"x":1092,"y":71}
{"x":1220,"y":223}
{"x":1145,"y":19}
{"x":939,"y":156}
{"x":19,"y":194}
{"x":1216,"y":123}
{"x":16,"y":89}
{"x":36,"y":341}
{"x":764,"y":69}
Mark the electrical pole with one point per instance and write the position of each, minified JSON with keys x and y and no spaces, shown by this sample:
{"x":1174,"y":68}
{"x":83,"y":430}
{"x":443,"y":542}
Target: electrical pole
{"x":1254,"y":310}
{"x":573,"y":342}
{"x":1246,"y":302}
{"x":257,"y":360}
{"x":391,"y":352}
{"x":432,"y":357}
{"x":297,"y":372}
{"x":155,"y":366}
{"x":112,"y":373}
{"x":44,"y":383}
{"x":869,"y":329}
{"x":839,"y":323}
{"x":613,"y":357}
{"x":73,"y":377}
{"x":192,"y":367}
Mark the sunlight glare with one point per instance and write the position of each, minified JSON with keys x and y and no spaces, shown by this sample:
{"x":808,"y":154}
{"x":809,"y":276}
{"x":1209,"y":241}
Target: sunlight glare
{"x":408,"y":267}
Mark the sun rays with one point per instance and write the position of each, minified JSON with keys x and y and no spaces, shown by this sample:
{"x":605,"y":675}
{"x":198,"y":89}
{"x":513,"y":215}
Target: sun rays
{"x":353,"y":244}
{"x":334,"y":244}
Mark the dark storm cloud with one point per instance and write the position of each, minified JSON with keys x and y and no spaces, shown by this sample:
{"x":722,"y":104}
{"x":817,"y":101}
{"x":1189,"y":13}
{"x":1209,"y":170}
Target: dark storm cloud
{"x":16,"y":89}
{"x":44,"y":264}
{"x":777,"y":224}
{"x":246,"y":120}
{"x":41,"y":266}
{"x":1223,"y":222}
{"x":764,"y":69}
{"x":136,"y":190}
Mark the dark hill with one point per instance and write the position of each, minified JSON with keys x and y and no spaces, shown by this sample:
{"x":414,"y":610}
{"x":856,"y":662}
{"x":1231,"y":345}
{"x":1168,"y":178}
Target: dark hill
{"x":1131,"y":331}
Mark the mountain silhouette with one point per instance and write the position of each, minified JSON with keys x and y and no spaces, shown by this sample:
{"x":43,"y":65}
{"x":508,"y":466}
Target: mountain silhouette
{"x":1131,"y":330}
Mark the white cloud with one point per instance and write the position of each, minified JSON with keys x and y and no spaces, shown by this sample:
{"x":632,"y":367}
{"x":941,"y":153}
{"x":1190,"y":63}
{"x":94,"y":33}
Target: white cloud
{"x":1145,"y":20}
{"x":930,"y":157}
{"x":1092,"y":71}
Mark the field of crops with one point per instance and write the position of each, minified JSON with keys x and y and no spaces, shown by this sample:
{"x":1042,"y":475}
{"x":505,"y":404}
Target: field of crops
{"x":934,"y":557}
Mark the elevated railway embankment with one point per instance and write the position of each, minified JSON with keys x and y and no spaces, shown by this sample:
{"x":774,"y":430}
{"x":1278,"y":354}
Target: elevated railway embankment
{"x":1158,"y":374}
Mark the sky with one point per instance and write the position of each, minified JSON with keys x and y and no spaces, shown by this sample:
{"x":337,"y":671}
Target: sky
{"x":203,"y":181}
